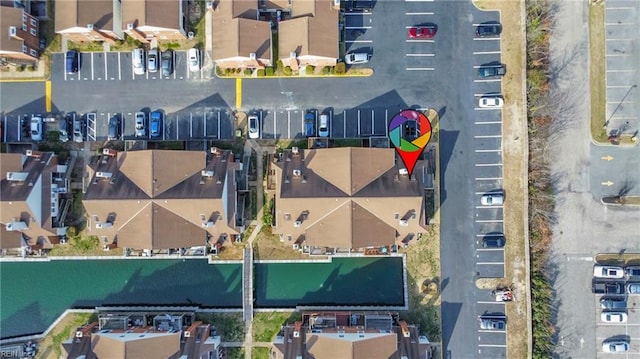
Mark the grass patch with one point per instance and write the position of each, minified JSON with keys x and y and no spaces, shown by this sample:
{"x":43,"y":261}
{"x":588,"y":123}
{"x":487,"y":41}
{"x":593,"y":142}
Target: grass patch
{"x":79,"y":244}
{"x":169,"y":145}
{"x":597,"y":71}
{"x":234,"y":353}
{"x":126,"y":45}
{"x":260,"y":353}
{"x":288,"y":144}
{"x":236,"y":146}
{"x":267,"y":245}
{"x":267,"y":325}
{"x":230,"y":251}
{"x":229,"y":325}
{"x":51,"y":345}
{"x":619,"y":259}
{"x":86,"y":46}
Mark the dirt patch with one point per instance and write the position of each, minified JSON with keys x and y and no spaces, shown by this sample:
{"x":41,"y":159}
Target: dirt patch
{"x":51,"y":345}
{"x":268,"y":246}
{"x":514,"y":147}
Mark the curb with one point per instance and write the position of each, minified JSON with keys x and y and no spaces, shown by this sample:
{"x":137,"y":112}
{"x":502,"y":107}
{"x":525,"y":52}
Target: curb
{"x":225,"y":77}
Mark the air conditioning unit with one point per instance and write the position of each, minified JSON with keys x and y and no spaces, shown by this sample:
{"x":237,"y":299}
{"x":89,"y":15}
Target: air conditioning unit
{"x":404,"y":223}
{"x":208,"y":224}
{"x":296,"y":334}
{"x":12,"y":31}
{"x":297,"y":224}
{"x":293,"y":55}
{"x":129,"y":27}
{"x":295,"y":150}
{"x":79,"y":334}
{"x":252,"y":56}
{"x":215,"y":150}
{"x":403,"y":172}
{"x":90,"y":26}
{"x":29,"y":152}
{"x":207,"y":173}
{"x":187,"y":334}
{"x":297,"y":173}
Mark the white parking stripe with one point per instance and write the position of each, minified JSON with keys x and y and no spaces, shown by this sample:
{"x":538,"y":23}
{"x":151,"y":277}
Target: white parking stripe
{"x":420,"y":69}
{"x":620,"y":39}
{"x":491,"y":331}
{"x":106,"y":73}
{"x":92,"y":66}
{"x":493,"y":345}
{"x":357,"y":13}
{"x":359,"y":41}
{"x":485,"y":151}
{"x":488,"y":207}
{"x":488,"y":80}
{"x":487,"y":136}
{"x":489,"y":221}
{"x":489,"y":234}
{"x":617,"y":55}
{"x":490,"y":263}
{"x":488,"y":164}
{"x":414,"y":40}
{"x":357,"y":27}
{"x":289,"y":124}
{"x":487,"y":108}
{"x":420,"y":55}
{"x":622,"y":70}
{"x":487,"y":178}
{"x":486,"y":66}
{"x":486,"y":52}
{"x":487,"y":122}
{"x":619,"y":24}
{"x":488,"y":302}
{"x":618,"y":86}
{"x":486,"y":38}
{"x":418,"y":0}
{"x":620,"y":8}
{"x":418,"y":13}
{"x":119,"y":68}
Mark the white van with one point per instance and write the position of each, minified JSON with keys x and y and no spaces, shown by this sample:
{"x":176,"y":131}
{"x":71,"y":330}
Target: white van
{"x":137,"y":59}
{"x":323,"y":127}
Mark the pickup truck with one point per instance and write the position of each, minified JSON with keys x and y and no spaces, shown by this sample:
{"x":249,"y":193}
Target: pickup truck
{"x":491,"y":71}
{"x":598,"y":287}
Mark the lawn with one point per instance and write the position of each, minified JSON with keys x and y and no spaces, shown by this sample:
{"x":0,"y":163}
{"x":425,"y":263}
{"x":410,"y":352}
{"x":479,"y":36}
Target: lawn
{"x":268,"y":246}
{"x":267,"y":324}
{"x":229,"y":325}
{"x":51,"y":345}
{"x":597,"y":72}
{"x":259,"y":353}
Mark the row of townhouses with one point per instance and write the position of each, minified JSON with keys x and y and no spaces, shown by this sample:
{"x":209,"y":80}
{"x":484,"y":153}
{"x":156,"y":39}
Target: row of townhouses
{"x":242,"y":30}
{"x":160,"y":201}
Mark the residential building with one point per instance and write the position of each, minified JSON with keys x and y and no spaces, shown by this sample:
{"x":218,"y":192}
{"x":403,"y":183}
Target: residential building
{"x":350,"y":335}
{"x":32,"y":190}
{"x":89,"y":20}
{"x":19,"y":36}
{"x":310,"y":36}
{"x":240,"y":38}
{"x":164,"y":20}
{"x":121,"y":334}
{"x":347,"y":198}
{"x":162,"y":200}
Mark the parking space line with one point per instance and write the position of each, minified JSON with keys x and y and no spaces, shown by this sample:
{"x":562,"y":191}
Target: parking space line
{"x":487,"y":178}
{"x":486,"y":52}
{"x":490,"y":263}
{"x":274,"y":124}
{"x":493,"y":345}
{"x":359,"y":41}
{"x":620,"y":8}
{"x":618,"y":24}
{"x":344,"y":123}
{"x":386,"y":122}
{"x":288,"y":124}
{"x":489,"y":220}
{"x":485,"y":38}
{"x":190,"y":125}
{"x":92,"y":66}
{"x":358,"y":123}
{"x":487,"y":108}
{"x":488,"y":164}
{"x":619,"y":39}
{"x":489,"y":249}
{"x":487,"y":136}
{"x":418,"y":0}
{"x":420,"y":55}
{"x":488,"y":207}
{"x":491,"y":331}
{"x":618,"y":55}
{"x":357,"y":13}
{"x":419,"y":40}
{"x":489,"y":234}
{"x":106,"y":72}
{"x":420,"y":69}
{"x":373,"y":116}
{"x":119,"y":68}
{"x":486,"y":151}
{"x":204,"y":131}
{"x":418,"y":13}
{"x":489,"y":80}
{"x":357,"y":27}
{"x":622,"y":70}
{"x":618,"y":86}
{"x":488,"y":302}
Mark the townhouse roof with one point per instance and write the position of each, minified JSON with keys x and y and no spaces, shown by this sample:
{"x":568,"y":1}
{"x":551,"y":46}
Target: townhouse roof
{"x":80,"y":13}
{"x":312,"y":32}
{"x":229,"y":9}
{"x":239,"y":37}
{"x":352,"y":345}
{"x":157,"y":13}
{"x":10,"y":16}
{"x":135,"y":345}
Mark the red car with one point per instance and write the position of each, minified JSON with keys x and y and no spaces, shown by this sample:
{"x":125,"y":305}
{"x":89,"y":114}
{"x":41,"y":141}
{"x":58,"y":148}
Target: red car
{"x":426,"y":32}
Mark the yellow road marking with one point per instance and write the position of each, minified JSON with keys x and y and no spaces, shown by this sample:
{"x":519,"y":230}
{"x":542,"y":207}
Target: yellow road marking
{"x":238,"y":93}
{"x":47,"y":86}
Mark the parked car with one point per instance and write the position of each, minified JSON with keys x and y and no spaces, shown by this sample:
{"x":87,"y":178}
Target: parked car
{"x":493,"y":242}
{"x":423,"y":32}
{"x":356,"y":58}
{"x":359,"y":5}
{"x":613,"y":317}
{"x":613,"y":303}
{"x":633,"y":288}
{"x":167,"y":63}
{"x":600,"y":287}
{"x":600,"y":271}
{"x":633,"y":271}
{"x":492,"y":323}
{"x":254,"y":127}
{"x":78,"y":133}
{"x":491,"y":102}
{"x":114,"y":128}
{"x":64,"y":129}
{"x":310,"y":124}
{"x":36,"y":128}
{"x":141,"y":119}
{"x":323,"y":127}
{"x":487,"y":30}
{"x":615,"y":346}
{"x":72,"y":63}
{"x":486,"y":71}
{"x":25,"y":124}
{"x":152,"y":63}
{"x":138,"y":61}
{"x":194,"y":59}
{"x":492,"y":199}
{"x":155,"y":124}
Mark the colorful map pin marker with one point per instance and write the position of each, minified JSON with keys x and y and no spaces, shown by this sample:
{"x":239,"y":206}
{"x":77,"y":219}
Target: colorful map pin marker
{"x":410,"y":132}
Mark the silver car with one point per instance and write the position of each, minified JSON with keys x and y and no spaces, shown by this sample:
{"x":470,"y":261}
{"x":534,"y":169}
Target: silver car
{"x":153,"y":60}
{"x":489,"y":323}
{"x":141,"y":131}
{"x":356,"y":58}
{"x":492,"y":199}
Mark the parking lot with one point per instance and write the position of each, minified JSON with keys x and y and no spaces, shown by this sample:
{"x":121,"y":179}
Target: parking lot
{"x":493,"y":343}
{"x":420,"y":53}
{"x":117,"y":66}
{"x":622,"y":20}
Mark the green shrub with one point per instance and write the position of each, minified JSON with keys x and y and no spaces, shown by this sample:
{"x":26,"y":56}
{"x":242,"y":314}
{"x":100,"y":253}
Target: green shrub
{"x":269,"y":71}
{"x":227,"y":71}
{"x":310,"y":69}
{"x":238,"y":71}
{"x":287,"y":70}
{"x":260,"y":73}
{"x":20,"y":68}
{"x":220,"y":71}
{"x":31,"y":68}
{"x":248,"y":72}
{"x":340,"y":68}
{"x":326,"y":70}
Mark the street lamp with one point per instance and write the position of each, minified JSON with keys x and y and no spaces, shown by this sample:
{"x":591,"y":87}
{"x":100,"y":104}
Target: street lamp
{"x":619,"y":104}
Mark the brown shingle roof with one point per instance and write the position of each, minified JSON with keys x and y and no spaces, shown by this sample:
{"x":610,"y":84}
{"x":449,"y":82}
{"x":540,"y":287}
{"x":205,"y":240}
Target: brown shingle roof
{"x":80,"y":13}
{"x":135,"y":345}
{"x":158,"y":13}
{"x":315,"y":35}
{"x":240,"y":37}
{"x":373,"y":346}
{"x":10,"y":16}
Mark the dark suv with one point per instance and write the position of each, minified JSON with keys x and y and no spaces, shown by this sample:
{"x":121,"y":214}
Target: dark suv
{"x":360,"y":5}
{"x":72,"y":63}
{"x":493,"y":242}
{"x":114,"y":128}
{"x":488,"y":30}
{"x":486,"y":71}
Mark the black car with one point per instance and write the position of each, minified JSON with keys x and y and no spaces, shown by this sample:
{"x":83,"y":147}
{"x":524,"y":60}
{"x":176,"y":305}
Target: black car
{"x":310,"y":124}
{"x":25,"y":124}
{"x":167,"y":63}
{"x":487,"y":30}
{"x":493,"y":242}
{"x":603,"y":287}
{"x":486,"y":71}
{"x":360,"y":5}
{"x":72,"y":63}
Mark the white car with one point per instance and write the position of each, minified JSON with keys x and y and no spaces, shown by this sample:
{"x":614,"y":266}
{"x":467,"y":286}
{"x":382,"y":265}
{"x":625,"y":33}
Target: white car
{"x":323,"y":127}
{"x":608,"y":272}
{"x":36,"y":128}
{"x":491,"y":102}
{"x":140,"y":122}
{"x":614,"y":317}
{"x":356,"y":58}
{"x":615,"y":346}
{"x":492,"y":199}
{"x":194,"y":59}
{"x":152,"y":63}
{"x":254,"y":127}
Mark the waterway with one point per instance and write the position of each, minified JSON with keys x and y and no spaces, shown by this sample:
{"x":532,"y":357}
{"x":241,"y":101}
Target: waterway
{"x":34,"y":294}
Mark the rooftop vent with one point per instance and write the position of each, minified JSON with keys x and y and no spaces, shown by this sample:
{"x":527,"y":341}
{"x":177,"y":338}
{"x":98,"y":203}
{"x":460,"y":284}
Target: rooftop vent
{"x":79,"y":334}
{"x":297,"y":173}
{"x":109,"y":152}
{"x":404,"y":223}
{"x":187,"y":334}
{"x":296,"y":334}
{"x":209,"y":224}
{"x":12,"y":31}
{"x":252,"y":56}
{"x":90,"y":26}
{"x":297,"y":224}
{"x":104,"y":174}
{"x":129,"y":27}
{"x":403,"y":172}
{"x":295,"y":150}
{"x":215,"y":150}
{"x":17,"y":176}
{"x":207,"y":173}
